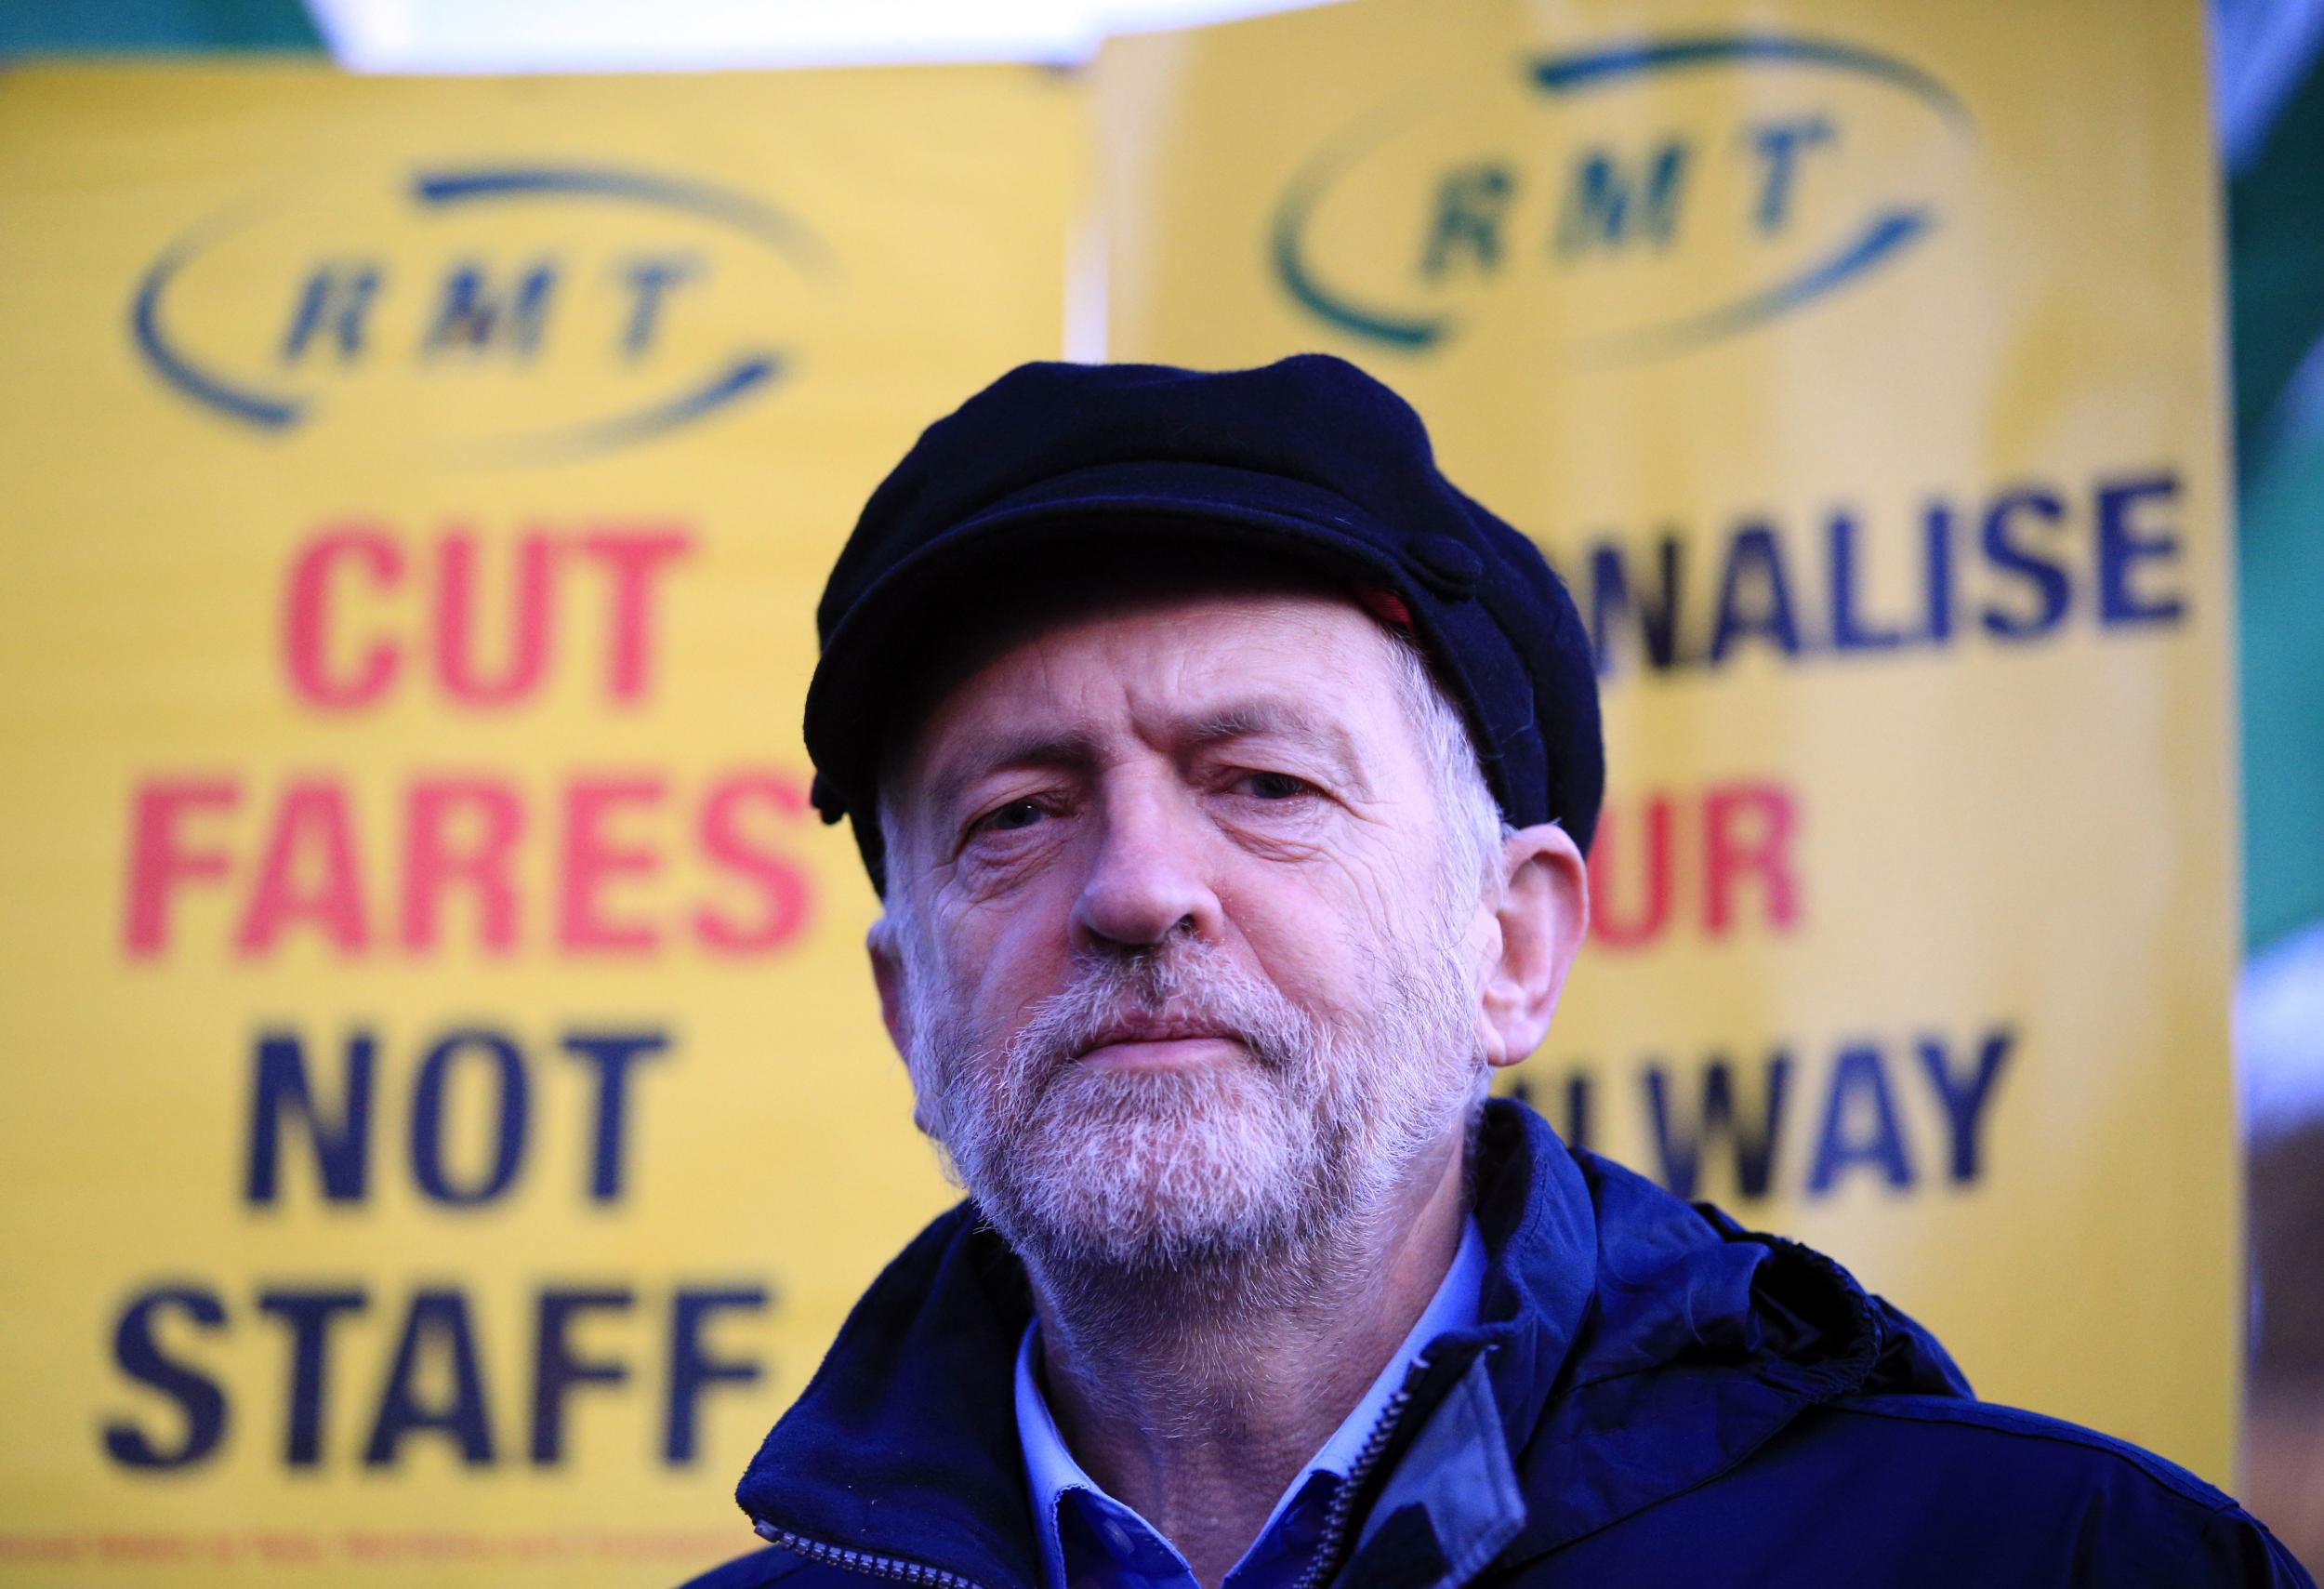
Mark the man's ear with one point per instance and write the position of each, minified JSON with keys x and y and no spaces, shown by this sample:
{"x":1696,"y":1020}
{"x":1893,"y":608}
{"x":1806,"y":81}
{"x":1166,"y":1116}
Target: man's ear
{"x":1543,"y":913}
{"x":887,"y":960}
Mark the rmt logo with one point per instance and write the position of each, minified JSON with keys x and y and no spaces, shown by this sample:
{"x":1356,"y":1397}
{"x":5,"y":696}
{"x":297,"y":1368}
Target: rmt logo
{"x":472,"y":312}
{"x":494,"y":314}
{"x":1622,"y":203}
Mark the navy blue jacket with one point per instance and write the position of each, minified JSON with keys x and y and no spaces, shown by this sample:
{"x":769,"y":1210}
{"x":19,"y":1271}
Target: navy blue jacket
{"x":1651,"y":1396}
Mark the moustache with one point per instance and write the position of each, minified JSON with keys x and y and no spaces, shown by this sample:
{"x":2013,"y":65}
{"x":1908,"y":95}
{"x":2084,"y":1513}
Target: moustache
{"x":1186,"y":992}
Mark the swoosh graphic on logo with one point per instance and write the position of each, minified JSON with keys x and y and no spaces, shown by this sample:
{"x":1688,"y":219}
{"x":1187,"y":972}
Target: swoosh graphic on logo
{"x":252,"y":404}
{"x":441,"y":188}
{"x":602,"y":435}
{"x":1562,"y":73}
{"x":1300,"y":279}
{"x":1889,"y":232}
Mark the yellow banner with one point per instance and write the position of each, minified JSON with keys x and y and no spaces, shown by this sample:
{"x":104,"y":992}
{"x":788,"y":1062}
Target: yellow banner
{"x":1858,"y":367}
{"x":436,"y":1142}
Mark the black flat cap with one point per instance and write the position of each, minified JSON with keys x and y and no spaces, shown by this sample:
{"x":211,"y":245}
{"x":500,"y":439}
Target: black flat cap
{"x":1308,"y":459}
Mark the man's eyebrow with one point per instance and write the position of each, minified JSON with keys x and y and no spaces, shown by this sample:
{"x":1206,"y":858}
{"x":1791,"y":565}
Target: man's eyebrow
{"x":1281,"y":719}
{"x":987,"y":753}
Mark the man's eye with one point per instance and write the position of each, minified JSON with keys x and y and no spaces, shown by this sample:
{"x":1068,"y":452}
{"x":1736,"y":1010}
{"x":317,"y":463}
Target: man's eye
{"x":1008,"y":818}
{"x":1278,"y":786}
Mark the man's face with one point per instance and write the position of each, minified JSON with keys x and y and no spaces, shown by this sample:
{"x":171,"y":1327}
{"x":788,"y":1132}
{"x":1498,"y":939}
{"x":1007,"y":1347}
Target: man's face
{"x":1182,"y":954}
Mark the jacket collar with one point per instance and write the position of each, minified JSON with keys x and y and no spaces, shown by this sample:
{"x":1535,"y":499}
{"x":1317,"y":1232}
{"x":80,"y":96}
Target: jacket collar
{"x":1701,"y":1342}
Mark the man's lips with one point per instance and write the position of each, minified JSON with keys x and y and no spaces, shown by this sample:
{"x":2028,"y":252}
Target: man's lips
{"x":1154,"y":1038}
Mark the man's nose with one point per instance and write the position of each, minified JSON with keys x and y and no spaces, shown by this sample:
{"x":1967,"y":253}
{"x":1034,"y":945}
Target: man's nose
{"x":1148,"y":877}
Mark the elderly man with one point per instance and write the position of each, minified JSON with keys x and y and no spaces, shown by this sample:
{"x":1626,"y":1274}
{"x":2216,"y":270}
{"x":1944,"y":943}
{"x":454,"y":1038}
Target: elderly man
{"x":1227,"y":777}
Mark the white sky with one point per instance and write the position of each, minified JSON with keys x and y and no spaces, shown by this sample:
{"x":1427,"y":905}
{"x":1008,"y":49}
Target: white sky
{"x":647,"y":35}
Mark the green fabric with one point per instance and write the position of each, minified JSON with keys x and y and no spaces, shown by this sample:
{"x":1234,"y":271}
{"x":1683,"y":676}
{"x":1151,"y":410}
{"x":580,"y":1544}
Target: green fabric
{"x":2276,"y":283}
{"x":154,"y":27}
{"x":2282,"y":614}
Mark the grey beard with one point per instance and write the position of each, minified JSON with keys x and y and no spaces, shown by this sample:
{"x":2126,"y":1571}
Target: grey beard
{"x":1166,"y":1200}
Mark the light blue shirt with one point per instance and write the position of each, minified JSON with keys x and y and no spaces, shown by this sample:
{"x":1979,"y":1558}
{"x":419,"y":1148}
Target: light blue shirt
{"x":1091,"y":1540}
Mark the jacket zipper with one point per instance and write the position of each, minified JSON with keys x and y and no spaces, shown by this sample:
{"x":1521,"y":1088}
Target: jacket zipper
{"x":1329,"y":1543}
{"x":1332,"y":1540}
{"x":864,"y":1561}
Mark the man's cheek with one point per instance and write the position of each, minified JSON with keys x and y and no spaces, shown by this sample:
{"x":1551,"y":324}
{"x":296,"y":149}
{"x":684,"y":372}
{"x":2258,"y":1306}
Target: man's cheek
{"x":1314,"y":966}
{"x":1021,"y":966}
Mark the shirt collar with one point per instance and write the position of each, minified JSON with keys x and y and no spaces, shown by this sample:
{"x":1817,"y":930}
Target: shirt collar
{"x":1051,"y":1469}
